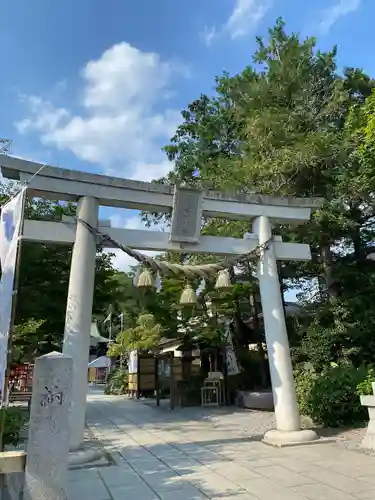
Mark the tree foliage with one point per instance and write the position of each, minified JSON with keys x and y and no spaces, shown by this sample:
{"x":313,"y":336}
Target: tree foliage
{"x":291,"y":125}
{"x":145,"y":336}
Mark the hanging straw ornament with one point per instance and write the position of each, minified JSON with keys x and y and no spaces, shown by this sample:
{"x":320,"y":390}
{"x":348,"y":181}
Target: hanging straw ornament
{"x":145,"y":279}
{"x":136,"y":276}
{"x":188,"y":296}
{"x":223,"y":281}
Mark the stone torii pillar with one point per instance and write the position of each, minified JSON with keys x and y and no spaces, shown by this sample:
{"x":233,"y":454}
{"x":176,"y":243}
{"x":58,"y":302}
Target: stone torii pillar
{"x":288,"y":423}
{"x":78,"y":315}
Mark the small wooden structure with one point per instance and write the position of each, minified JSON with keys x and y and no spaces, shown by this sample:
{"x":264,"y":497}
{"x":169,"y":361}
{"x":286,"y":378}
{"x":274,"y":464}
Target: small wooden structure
{"x":174,"y":369}
{"x":178,"y":366}
{"x":142,"y":373}
{"x":167,"y":370}
{"x":98,"y":370}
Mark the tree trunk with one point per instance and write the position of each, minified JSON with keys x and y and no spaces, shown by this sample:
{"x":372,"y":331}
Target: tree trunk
{"x":264,"y":373}
{"x":326,"y":259}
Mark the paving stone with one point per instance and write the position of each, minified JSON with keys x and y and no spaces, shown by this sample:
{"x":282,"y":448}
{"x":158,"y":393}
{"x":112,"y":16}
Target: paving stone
{"x":283,"y":476}
{"x":186,"y":493}
{"x":165,"y":481}
{"x":368,"y":478}
{"x":188,"y":467}
{"x":140,"y":493}
{"x":83,"y":475}
{"x":135,"y":452}
{"x":253,"y":463}
{"x":209,"y":459}
{"x":179,"y":454}
{"x":186,"y":447}
{"x":265,"y":489}
{"x":292,"y":464}
{"x":369,"y":494}
{"x":149,"y":465}
{"x":241,"y":496}
{"x":338,"y":481}
{"x":92,"y":489}
{"x":119,"y":476}
{"x":235,"y":472}
{"x":312,"y":453}
{"x":348,"y":467}
{"x":76,"y":495}
{"x":319,"y":491}
{"x":214,"y":485}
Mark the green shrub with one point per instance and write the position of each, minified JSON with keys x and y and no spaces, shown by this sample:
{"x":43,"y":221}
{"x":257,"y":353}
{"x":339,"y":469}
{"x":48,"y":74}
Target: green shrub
{"x":15,"y":422}
{"x":331,"y":398}
{"x":365,"y":387}
{"x":117,"y":381}
{"x":304,"y":381}
{"x":319,"y":346}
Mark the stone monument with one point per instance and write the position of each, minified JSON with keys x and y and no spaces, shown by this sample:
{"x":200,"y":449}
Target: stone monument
{"x":48,"y":441}
{"x":368,"y":441}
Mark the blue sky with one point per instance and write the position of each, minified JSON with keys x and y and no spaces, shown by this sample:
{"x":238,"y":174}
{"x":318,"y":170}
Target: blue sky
{"x":99,"y":86}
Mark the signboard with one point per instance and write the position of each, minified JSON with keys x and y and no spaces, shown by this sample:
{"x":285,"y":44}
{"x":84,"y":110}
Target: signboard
{"x":186,"y":215}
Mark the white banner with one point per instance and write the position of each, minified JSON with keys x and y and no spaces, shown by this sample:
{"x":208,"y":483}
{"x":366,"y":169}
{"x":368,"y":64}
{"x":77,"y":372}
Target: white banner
{"x":133,"y":362}
{"x":10,"y":225}
{"x":231,"y":359}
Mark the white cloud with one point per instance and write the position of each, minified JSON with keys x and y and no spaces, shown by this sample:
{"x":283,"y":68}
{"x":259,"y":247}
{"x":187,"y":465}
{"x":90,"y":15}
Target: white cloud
{"x":43,"y":115}
{"x":331,"y":15}
{"x":149,"y":171}
{"x":209,"y":34}
{"x":125,"y":117}
{"x":244,"y":18}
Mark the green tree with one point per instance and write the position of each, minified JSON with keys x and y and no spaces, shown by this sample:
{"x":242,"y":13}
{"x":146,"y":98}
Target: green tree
{"x":44,"y":280}
{"x":145,"y":336}
{"x":297,"y":128}
{"x":5,"y":145}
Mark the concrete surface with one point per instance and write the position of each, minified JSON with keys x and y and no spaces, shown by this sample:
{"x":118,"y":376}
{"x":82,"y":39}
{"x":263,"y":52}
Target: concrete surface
{"x":195,"y":453}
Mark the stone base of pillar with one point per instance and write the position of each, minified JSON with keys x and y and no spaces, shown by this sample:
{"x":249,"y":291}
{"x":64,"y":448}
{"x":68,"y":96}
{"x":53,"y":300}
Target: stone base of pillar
{"x":75,"y":448}
{"x":86,"y":456}
{"x":89,"y":453}
{"x":368,"y":442}
{"x":278,"y":438}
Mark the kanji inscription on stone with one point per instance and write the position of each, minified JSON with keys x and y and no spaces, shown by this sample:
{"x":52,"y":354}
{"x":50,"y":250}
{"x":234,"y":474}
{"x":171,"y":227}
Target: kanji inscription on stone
{"x":186,"y":215}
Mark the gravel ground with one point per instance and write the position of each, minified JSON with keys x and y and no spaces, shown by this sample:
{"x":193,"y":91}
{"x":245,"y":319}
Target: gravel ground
{"x":255,"y":423}
{"x":349,"y":438}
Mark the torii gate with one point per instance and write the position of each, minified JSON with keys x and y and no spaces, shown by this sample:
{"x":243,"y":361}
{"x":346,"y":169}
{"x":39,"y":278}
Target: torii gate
{"x":187,"y":206}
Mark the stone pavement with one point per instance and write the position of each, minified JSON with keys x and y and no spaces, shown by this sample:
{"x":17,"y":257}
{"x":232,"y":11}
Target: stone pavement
{"x":193,"y":454}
